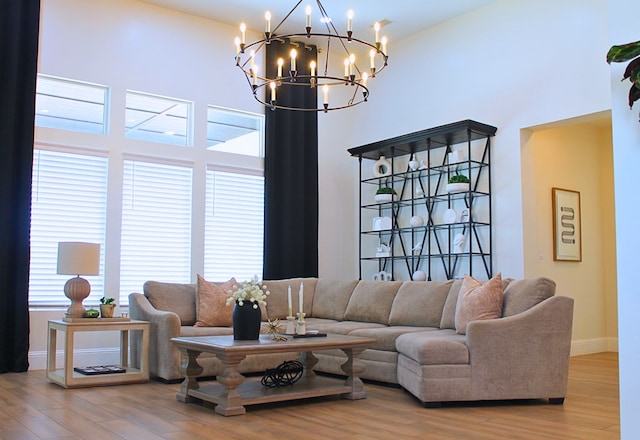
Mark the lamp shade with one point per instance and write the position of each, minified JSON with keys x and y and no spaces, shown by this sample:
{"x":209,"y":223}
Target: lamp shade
{"x":78,"y":258}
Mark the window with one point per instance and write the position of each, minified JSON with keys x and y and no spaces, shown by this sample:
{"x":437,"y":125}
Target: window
{"x":156,"y":225}
{"x":157,"y":119}
{"x":234,"y":132}
{"x":70,"y":105}
{"x":160,"y":212}
{"x":234,"y":226}
{"x":69,"y":199}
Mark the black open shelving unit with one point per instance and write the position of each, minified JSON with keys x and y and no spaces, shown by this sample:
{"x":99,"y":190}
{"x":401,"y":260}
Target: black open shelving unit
{"x":423,"y":192}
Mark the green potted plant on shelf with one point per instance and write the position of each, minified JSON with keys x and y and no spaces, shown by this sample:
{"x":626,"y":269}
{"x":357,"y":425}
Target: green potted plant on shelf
{"x":384,"y":194}
{"x":626,"y":52}
{"x":107,"y":307}
{"x":458,"y":183}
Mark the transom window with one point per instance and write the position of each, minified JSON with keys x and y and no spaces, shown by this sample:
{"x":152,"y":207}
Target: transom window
{"x":158,"y":119}
{"x":235,"y":132}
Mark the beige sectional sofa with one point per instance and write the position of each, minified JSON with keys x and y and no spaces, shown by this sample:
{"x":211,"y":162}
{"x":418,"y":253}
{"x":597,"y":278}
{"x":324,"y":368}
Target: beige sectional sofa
{"x":521,"y":355}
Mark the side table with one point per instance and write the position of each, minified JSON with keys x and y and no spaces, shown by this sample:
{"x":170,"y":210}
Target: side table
{"x":68,"y":378}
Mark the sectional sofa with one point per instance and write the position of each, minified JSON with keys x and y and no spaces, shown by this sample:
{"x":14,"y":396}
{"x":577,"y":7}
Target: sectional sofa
{"x":521,"y":354}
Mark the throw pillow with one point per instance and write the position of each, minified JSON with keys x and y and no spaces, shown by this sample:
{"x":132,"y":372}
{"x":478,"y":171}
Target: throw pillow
{"x":211,"y":303}
{"x":478,"y":301}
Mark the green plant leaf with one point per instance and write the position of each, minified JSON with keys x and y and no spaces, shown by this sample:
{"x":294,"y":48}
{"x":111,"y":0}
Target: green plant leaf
{"x":633,"y":65}
{"x":634,"y":95}
{"x":623,"y":52}
{"x":634,"y":77}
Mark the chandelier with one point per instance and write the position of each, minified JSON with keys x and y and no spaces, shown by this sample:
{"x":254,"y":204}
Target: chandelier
{"x":337,"y":73}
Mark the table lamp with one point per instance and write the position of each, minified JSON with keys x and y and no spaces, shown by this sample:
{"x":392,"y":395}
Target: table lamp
{"x":77,"y":258}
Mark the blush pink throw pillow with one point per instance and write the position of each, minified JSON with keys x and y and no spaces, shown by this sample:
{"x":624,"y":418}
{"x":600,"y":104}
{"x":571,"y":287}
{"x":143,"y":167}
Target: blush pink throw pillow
{"x":211,"y":307}
{"x":478,"y":301}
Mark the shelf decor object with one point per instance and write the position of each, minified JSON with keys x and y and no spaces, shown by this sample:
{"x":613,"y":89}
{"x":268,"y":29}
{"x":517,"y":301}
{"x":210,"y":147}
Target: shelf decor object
{"x":567,"y":231}
{"x":454,"y":237}
{"x":346,"y":59}
{"x":77,"y":258}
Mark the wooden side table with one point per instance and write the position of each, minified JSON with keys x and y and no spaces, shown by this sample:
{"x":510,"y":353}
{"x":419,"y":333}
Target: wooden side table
{"x":68,"y":378}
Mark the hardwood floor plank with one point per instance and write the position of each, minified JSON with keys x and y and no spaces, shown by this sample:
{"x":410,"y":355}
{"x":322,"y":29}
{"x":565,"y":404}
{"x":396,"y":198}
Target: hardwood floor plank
{"x":34,"y":409}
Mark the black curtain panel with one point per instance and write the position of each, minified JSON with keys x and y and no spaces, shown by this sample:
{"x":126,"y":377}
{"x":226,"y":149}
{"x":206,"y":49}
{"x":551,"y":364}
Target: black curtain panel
{"x":19,"y":23}
{"x":291,"y":171}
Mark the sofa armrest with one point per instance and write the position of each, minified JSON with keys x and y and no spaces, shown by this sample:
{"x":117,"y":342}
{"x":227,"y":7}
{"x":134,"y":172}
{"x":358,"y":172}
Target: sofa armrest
{"x":524,"y":353}
{"x":164,"y":358}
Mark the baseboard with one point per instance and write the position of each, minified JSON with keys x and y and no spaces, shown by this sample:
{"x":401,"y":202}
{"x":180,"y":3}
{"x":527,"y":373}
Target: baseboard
{"x":596,"y":345}
{"x":82,"y":357}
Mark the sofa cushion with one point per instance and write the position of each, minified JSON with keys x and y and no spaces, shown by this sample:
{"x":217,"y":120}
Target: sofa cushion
{"x":371,"y":301}
{"x":211,"y":303}
{"x":385,"y":336}
{"x":449,"y":310}
{"x":277,"y":301}
{"x":434,"y":347}
{"x":419,"y":303}
{"x":331,"y":298}
{"x":521,"y":295}
{"x":173,"y":297}
{"x":478,"y":301}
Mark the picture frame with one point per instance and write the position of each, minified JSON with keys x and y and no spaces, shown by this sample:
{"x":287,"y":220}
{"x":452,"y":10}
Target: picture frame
{"x":567,"y":228}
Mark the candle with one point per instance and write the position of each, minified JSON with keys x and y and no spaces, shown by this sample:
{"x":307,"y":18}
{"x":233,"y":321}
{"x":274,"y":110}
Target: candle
{"x":301,"y":297}
{"x":293,"y":60}
{"x":308,"y":11}
{"x":372,"y":57}
{"x":273,"y":90}
{"x":280,"y":64}
{"x":267,"y":16}
{"x":349,"y":20}
{"x":253,"y":60}
{"x":254,"y":71}
{"x":313,"y":68}
{"x":289,"y":301}
{"x":352,"y":62}
{"x":325,"y":89}
{"x":376,"y":27}
{"x":384,"y":45}
{"x":346,"y":67}
{"x":237,"y":41}
{"x":243,"y":30}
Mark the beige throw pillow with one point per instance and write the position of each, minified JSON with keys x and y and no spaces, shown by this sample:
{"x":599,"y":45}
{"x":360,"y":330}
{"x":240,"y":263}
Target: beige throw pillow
{"x":211,"y":303}
{"x":478,"y":301}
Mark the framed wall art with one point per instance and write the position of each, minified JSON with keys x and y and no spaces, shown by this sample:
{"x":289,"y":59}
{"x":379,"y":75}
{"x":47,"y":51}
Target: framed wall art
{"x":567,"y":231}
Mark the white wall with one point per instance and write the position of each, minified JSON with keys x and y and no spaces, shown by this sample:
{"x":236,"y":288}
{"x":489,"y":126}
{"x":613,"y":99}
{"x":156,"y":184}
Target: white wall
{"x":623,"y":28}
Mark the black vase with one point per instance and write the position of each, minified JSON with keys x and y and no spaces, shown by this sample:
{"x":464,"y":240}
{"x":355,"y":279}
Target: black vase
{"x":246,"y":321}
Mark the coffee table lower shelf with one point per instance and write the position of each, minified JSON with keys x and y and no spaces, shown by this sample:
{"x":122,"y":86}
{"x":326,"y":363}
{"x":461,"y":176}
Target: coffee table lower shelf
{"x":252,"y":392}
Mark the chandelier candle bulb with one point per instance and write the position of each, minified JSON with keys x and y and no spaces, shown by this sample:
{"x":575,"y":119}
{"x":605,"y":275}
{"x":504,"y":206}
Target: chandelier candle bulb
{"x":308,"y":22}
{"x":384,"y":45}
{"x":372,"y":58}
{"x":350,"y":20}
{"x":325,"y":90}
{"x":267,"y":16}
{"x":346,"y":68}
{"x":376,"y":27}
{"x":280,"y":64}
{"x":293,"y":59}
{"x":237,"y":42}
{"x":352,"y":62}
{"x":273,"y":91}
{"x":243,"y":31}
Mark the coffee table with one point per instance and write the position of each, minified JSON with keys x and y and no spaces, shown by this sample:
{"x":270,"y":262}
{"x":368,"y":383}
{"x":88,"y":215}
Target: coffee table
{"x":231,"y":392}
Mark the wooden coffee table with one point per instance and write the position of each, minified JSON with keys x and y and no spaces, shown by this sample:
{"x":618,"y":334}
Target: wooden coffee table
{"x":231,"y":392}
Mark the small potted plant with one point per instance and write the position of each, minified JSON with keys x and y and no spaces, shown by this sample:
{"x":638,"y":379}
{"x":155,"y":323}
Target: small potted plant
{"x":458,"y":183}
{"x":107,"y":307}
{"x":384,"y":194}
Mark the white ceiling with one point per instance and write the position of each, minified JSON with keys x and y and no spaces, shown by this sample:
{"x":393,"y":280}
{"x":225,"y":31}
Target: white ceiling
{"x":404,"y":17}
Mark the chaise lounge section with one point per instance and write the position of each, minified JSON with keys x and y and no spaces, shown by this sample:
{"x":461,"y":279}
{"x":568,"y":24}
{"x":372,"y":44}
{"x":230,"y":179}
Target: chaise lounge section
{"x":521,"y":354}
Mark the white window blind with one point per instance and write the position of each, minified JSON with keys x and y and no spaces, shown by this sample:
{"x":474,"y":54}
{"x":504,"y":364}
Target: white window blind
{"x":156,"y":225}
{"x":68,"y":203}
{"x":233,"y":226}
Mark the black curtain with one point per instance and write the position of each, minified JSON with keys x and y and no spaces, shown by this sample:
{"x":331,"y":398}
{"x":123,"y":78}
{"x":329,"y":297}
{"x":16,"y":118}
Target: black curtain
{"x":19,"y":23}
{"x":291,"y":172}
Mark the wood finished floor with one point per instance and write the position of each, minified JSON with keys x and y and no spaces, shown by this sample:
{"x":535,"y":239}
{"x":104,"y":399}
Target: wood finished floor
{"x":33,"y":408}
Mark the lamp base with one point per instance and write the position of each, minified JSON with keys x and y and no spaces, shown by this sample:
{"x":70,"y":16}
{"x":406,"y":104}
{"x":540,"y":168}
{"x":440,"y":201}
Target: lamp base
{"x":76,"y":289}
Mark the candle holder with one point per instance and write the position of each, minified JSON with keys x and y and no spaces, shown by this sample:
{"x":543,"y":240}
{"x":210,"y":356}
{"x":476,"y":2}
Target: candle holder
{"x":291,"y":327}
{"x":301,"y":328}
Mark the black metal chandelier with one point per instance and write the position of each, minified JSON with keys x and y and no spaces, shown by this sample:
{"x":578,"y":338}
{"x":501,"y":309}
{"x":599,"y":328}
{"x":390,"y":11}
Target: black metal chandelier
{"x":336,"y":72}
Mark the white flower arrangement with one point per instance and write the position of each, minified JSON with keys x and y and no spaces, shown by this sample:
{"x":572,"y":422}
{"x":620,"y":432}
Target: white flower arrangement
{"x":253,"y":291}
